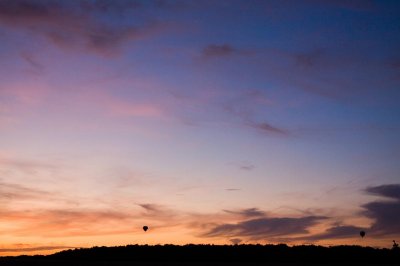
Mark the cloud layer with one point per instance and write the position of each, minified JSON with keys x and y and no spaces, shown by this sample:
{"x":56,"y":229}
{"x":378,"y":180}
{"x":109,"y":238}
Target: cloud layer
{"x":385,"y":213}
{"x":77,"y":24}
{"x":234,"y":225}
{"x":198,"y":119}
{"x":265,"y":228}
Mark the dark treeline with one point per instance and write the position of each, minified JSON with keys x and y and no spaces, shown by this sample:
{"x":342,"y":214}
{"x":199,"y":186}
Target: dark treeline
{"x":236,"y":254}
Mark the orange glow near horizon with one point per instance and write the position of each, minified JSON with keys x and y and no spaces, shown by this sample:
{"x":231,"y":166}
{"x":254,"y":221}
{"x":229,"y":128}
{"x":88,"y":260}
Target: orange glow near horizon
{"x":213,"y":123}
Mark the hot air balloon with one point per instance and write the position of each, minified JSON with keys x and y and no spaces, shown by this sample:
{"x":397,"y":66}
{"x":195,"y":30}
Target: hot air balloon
{"x":362,"y":233}
{"x":145,"y":228}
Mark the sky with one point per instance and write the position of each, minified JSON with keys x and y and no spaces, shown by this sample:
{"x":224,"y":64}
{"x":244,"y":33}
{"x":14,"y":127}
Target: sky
{"x":213,"y":122}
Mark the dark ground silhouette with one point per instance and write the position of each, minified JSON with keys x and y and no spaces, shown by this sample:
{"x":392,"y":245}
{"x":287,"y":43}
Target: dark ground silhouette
{"x":213,"y":255}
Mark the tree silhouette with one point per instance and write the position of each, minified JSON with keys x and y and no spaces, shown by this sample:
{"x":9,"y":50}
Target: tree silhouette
{"x":212,"y":254}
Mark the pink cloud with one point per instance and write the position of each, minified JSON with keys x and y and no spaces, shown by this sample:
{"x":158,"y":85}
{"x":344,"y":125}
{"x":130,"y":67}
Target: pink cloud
{"x":119,"y":107}
{"x":31,"y":248}
{"x":55,"y":223}
{"x":24,"y":94}
{"x":18,"y":99}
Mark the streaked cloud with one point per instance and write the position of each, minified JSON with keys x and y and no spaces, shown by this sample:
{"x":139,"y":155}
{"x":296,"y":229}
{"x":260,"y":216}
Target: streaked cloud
{"x":247,"y":213}
{"x":391,"y":191}
{"x":162,"y":216}
{"x":384,"y":212}
{"x":35,"y":248}
{"x":73,"y":25}
{"x":208,"y":121}
{"x":310,"y":59}
{"x":250,"y":224}
{"x":35,"y":67}
{"x":153,"y":209}
{"x":11,"y":192}
{"x":232,"y":189}
{"x":25,"y":165}
{"x":336,"y":232}
{"x":264,"y":228}
{"x":246,"y":166}
{"x":66,"y":222}
{"x":243,"y":106}
{"x":215,"y":50}
{"x":267,"y":128}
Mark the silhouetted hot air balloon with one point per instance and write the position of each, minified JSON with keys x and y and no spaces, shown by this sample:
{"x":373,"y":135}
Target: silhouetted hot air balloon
{"x":362,"y":233}
{"x":145,"y":228}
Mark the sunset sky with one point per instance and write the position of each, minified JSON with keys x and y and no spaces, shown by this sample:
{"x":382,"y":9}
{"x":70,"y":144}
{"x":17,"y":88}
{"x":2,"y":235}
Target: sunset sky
{"x":210,"y":121}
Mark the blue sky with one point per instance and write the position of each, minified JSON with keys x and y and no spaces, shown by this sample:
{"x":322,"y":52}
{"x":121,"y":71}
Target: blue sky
{"x":206,"y":120}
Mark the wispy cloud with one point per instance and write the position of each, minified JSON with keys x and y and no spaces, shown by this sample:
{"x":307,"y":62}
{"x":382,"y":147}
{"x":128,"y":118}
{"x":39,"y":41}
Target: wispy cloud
{"x":113,"y":106}
{"x":391,"y":191}
{"x":264,"y":228}
{"x":116,"y":6}
{"x":356,"y":5}
{"x":254,"y":224}
{"x":75,"y":24}
{"x":246,"y":166}
{"x":124,"y":108}
{"x":67,"y":222}
{"x":249,"y":224}
{"x":384,"y":212}
{"x":11,"y":192}
{"x":152,"y":208}
{"x":267,"y":128}
{"x":35,"y":67}
{"x":27,"y":166}
{"x":223,"y":51}
{"x":214,"y":50}
{"x":336,"y":72}
{"x":20,"y":96}
{"x":247,"y":213}
{"x":336,"y":232}
{"x":310,"y":59}
{"x":243,"y":106}
{"x":158,"y":212}
{"x":384,"y":215}
{"x":33,"y":249}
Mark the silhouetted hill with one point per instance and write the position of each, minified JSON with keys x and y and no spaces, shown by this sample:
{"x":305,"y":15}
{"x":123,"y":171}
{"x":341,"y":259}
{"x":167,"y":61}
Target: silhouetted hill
{"x":212,"y":255}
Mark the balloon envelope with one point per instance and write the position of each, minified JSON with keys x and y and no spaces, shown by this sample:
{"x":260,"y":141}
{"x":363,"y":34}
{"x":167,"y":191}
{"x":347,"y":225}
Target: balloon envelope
{"x":145,"y":228}
{"x":362,"y":233}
